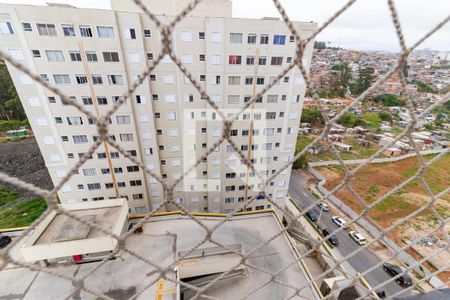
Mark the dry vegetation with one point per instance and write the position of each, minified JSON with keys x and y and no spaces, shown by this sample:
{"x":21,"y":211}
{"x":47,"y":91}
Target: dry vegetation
{"x":375,"y":180}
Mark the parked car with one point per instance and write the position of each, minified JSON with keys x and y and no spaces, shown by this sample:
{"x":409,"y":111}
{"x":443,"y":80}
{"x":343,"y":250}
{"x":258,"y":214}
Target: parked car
{"x":338,"y":221}
{"x":394,"y":270}
{"x":323,"y":206}
{"x":311,"y":215}
{"x":4,"y":241}
{"x":332,"y":239}
{"x":358,"y":237}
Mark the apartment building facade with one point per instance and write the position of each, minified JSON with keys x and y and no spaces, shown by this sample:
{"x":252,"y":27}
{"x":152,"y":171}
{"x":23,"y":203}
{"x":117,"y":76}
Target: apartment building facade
{"x":95,"y":55}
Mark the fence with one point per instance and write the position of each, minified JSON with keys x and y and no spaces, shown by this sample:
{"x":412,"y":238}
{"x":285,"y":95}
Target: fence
{"x":102,"y":126}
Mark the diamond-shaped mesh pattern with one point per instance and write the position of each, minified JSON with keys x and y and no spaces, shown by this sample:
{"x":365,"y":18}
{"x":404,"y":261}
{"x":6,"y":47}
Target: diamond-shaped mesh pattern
{"x":162,"y":272}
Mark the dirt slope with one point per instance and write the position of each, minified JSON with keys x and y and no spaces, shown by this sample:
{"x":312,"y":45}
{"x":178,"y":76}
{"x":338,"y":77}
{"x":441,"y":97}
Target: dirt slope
{"x":23,"y":159}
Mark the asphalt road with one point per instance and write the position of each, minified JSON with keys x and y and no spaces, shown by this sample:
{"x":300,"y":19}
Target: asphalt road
{"x":361,"y":261}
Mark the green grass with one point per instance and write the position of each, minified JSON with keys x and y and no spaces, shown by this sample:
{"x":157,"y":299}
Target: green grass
{"x":18,"y":214}
{"x":374,"y":189}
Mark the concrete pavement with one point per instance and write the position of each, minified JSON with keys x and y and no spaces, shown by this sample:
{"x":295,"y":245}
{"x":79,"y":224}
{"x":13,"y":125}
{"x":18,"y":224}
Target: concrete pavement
{"x":361,"y":261}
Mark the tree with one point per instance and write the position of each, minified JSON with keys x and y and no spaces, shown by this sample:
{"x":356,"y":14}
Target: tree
{"x":350,"y":120}
{"x":364,"y":81}
{"x":320,"y":45}
{"x":300,"y":163}
{"x":337,"y":82}
{"x":312,"y":116}
{"x":10,"y":106}
{"x":389,"y":100}
{"x":384,"y":116}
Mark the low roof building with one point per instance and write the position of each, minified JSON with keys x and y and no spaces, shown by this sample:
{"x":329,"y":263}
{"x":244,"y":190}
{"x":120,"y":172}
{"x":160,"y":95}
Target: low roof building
{"x":167,"y":243}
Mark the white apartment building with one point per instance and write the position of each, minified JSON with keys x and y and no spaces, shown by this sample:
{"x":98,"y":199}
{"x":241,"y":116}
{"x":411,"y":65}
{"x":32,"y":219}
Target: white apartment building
{"x":94,"y":55}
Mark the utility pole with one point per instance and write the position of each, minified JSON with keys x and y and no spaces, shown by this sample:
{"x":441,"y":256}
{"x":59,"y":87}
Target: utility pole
{"x":250,"y":135}
{"x":97,"y":113}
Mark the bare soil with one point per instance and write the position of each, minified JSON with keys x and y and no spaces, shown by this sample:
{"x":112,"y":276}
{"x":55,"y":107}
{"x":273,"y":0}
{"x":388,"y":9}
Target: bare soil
{"x":375,"y":180}
{"x":23,"y":159}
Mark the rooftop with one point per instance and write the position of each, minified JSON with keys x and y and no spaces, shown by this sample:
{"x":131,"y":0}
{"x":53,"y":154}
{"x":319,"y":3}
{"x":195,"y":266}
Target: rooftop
{"x":163,"y":240}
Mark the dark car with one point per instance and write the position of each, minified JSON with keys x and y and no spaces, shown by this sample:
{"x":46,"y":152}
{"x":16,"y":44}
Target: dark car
{"x":311,"y":215}
{"x":4,"y":241}
{"x":333,"y":240}
{"x":394,"y":270}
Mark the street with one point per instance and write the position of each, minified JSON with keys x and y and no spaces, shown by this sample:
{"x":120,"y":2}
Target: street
{"x":364,"y":259}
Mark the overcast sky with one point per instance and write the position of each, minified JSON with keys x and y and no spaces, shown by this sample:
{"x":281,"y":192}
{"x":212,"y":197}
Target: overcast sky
{"x":366,"y":25}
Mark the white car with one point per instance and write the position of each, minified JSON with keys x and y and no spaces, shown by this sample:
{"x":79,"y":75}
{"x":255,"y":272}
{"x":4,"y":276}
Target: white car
{"x":323,"y":206}
{"x":338,"y":221}
{"x":358,"y":237}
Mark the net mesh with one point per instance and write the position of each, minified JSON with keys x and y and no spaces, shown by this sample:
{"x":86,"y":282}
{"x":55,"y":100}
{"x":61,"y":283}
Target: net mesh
{"x":200,"y":292}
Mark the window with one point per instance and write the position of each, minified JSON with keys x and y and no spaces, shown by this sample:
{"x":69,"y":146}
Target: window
{"x":68,"y":30}
{"x":81,"y":79}
{"x":201,"y":57}
{"x":149,"y":56}
{"x":110,"y":56}
{"x":286,"y":79}
{"x":216,"y":37}
{"x":186,"y":36}
{"x":186,"y":58}
{"x":89,"y":172}
{"x":85,"y":31}
{"x":271,"y":115}
{"x":51,"y":99}
{"x":288,"y":59}
{"x":216,"y":79}
{"x":171,"y":116}
{"x":234,"y":59}
{"x":147,"y":33}
{"x":262,"y":61}
{"x":250,"y":60}
{"x":137,"y":197}
{"x":97,"y":79}
{"x":34,"y":101}
{"x":173,"y":132}
{"x":91,"y":56}
{"x":75,"y":55}
{"x":140,"y":99}
{"x":46,"y":29}
{"x":6,"y":27}
{"x":36,"y":53}
{"x":169,"y":98}
{"x":236,"y":38}
{"x":234,"y":80}
{"x":264,"y":40}
{"x":251,"y":38}
{"x":80,"y":139}
{"x":272,"y":98}
{"x":135,"y":182}
{"x":126,"y":137}
{"x":74,"y":121}
{"x":54,"y":55}
{"x":276,"y":60}
{"x":201,"y":35}
{"x":102,"y":101}
{"x":87,"y":100}
{"x":133,"y":57}
{"x":168,"y":79}
{"x":105,"y":31}
{"x":132,"y":168}
{"x":93,"y":186}
{"x":129,"y":33}
{"x":248,"y":80}
{"x":123,"y":119}
{"x":279,"y":39}
{"x":27,"y":27}
{"x":260,"y":80}
{"x":233,"y":99}
{"x":229,"y":199}
{"x":61,"y":78}
{"x":152,"y":77}
{"x":216,"y":59}
{"x":115,"y":79}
